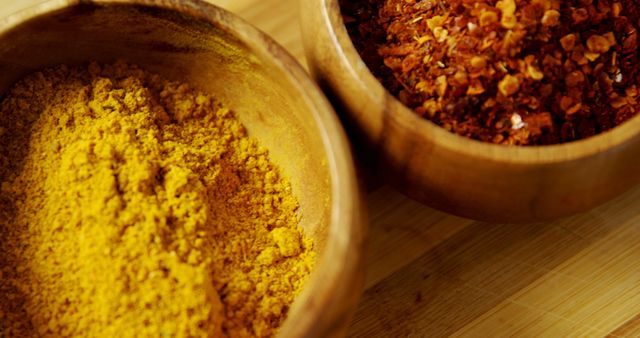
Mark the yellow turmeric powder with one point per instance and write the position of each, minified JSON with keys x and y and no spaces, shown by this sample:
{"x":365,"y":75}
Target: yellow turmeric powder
{"x":132,"y":206}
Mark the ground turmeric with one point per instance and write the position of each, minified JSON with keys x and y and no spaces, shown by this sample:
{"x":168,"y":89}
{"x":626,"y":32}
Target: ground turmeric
{"x":133,"y":206}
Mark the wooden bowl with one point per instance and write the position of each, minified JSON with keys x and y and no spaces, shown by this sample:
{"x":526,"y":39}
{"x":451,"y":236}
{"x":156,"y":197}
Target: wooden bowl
{"x":192,"y":41}
{"x":452,"y":173}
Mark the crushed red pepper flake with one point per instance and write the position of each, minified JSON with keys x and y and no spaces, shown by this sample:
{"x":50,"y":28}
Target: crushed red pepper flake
{"x":514,"y":72}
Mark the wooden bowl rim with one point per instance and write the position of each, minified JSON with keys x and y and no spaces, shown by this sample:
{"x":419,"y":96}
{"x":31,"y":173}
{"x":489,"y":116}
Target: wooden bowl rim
{"x":408,"y":120}
{"x":346,"y":232}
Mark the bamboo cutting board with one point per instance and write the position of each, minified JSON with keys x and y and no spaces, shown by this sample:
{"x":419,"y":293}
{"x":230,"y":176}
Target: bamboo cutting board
{"x":431,"y":274}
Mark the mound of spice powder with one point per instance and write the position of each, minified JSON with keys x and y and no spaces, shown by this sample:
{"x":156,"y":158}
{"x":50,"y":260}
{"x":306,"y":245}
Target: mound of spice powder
{"x":134,"y":206}
{"x":513,"y":72}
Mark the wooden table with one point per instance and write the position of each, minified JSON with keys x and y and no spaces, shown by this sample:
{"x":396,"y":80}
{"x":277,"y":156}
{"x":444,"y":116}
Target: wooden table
{"x":431,"y":274}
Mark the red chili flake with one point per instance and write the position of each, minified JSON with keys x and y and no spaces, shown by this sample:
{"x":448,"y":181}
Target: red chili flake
{"x":515,"y":72}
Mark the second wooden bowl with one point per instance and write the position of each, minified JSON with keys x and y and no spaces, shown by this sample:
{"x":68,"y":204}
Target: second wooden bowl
{"x":198,"y":43}
{"x":455,"y":174}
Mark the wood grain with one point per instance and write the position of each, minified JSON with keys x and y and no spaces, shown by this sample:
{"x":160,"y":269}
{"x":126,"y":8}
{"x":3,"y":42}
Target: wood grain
{"x":434,"y":275}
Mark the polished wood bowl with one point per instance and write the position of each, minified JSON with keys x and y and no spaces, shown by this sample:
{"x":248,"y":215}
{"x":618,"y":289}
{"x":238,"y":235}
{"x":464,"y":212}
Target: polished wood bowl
{"x":191,"y":41}
{"x":452,"y":173}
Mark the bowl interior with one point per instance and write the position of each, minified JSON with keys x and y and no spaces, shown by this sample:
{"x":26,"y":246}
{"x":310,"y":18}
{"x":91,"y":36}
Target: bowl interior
{"x":181,"y":48}
{"x":194,"y":43}
{"x":408,"y":120}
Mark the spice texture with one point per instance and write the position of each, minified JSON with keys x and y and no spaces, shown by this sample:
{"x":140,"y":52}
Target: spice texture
{"x":514,"y":72}
{"x":135,"y":206}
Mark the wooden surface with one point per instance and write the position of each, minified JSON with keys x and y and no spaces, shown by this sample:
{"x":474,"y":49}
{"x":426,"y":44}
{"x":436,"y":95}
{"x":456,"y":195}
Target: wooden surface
{"x":431,"y":274}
